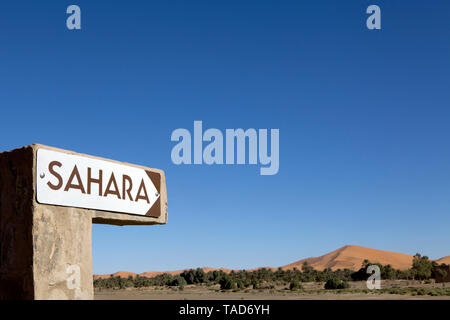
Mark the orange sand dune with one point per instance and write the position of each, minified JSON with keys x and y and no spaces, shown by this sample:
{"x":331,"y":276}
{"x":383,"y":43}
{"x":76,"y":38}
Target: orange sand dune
{"x":175,"y":272}
{"x":445,"y":260}
{"x":352,"y":257}
{"x":122,"y":274}
{"x":347,"y":257}
{"x":151,"y":274}
{"x":125,"y":274}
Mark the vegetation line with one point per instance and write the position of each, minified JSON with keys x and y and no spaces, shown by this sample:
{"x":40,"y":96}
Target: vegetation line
{"x":422,"y":269}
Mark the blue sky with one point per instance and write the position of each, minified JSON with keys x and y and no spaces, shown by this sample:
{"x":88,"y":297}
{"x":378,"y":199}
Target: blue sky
{"x":363,"y":118}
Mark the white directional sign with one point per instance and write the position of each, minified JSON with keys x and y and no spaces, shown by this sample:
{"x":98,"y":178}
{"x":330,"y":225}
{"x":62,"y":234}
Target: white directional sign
{"x":70,"y":180}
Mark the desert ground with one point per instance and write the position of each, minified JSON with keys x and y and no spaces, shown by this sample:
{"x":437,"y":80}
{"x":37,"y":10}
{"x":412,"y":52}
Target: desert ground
{"x":347,"y":257}
{"x":391,"y":289}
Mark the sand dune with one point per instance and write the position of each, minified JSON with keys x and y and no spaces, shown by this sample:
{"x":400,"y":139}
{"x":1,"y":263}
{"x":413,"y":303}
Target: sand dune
{"x":445,"y":260}
{"x":352,"y":257}
{"x":347,"y":257}
{"x":125,"y":274}
{"x":151,"y":274}
{"x":122,"y":274}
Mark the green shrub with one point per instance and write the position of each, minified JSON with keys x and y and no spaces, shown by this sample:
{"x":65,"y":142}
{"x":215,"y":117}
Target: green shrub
{"x":421,"y":292}
{"x":441,"y":273}
{"x":226,"y":283}
{"x":178,"y":281}
{"x":335,"y":283}
{"x":295,"y":285}
{"x":422,"y":267}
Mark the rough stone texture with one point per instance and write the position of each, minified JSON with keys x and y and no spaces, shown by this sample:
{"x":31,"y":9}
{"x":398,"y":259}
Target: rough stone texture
{"x":46,"y":250}
{"x":62,"y":239}
{"x":118,"y":219}
{"x":16,"y":223}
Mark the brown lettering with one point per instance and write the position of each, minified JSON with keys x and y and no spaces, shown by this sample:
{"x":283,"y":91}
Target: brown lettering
{"x":112,"y":180}
{"x":145,"y":196}
{"x":98,"y":181}
{"x":78,"y":186}
{"x":124,"y":190}
{"x":53,"y":172}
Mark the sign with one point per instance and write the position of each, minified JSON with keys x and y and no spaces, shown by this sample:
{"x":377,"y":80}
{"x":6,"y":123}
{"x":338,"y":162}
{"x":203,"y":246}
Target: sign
{"x":65,"y":179}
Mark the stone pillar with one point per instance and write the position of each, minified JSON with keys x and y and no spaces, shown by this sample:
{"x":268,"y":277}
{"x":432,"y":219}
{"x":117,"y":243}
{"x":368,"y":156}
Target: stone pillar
{"x":46,"y":250}
{"x":16,"y":225}
{"x":63,"y":265}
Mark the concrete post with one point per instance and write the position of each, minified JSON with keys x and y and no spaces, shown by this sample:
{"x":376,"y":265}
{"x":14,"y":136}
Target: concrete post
{"x":46,"y":250}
